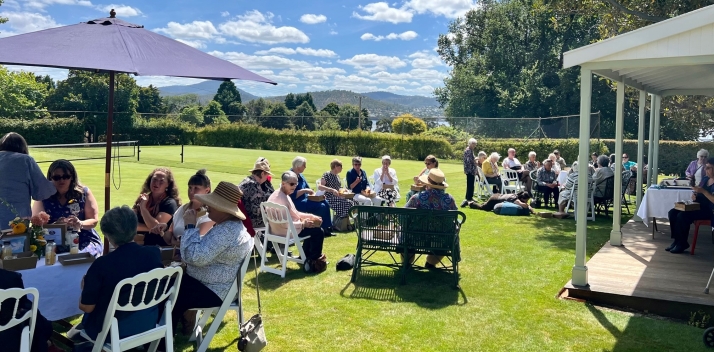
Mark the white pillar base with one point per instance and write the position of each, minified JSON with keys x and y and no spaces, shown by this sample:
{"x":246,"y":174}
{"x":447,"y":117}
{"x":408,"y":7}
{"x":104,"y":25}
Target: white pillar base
{"x":616,"y":238}
{"x":580,"y":276}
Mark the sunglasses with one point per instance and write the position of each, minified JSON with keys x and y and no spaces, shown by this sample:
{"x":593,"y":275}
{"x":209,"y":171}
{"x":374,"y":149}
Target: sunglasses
{"x":356,"y":164}
{"x":427,"y":163}
{"x":63,"y":177}
{"x":292,"y":184}
{"x":625,"y":157}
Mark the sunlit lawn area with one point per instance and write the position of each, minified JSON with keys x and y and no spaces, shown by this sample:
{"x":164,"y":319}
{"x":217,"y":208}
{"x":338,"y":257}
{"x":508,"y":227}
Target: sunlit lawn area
{"x":512,"y":269}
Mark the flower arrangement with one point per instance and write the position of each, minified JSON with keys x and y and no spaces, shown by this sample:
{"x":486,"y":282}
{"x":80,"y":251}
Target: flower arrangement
{"x":37,"y":231}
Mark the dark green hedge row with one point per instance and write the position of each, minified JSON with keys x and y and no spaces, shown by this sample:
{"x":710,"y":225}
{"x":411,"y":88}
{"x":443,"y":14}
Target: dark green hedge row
{"x":45,"y":131}
{"x":160,"y":132}
{"x":366,"y":144}
{"x":674,"y":156}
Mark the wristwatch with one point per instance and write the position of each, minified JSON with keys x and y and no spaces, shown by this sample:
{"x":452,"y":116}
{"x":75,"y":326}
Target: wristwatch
{"x":189,"y":226}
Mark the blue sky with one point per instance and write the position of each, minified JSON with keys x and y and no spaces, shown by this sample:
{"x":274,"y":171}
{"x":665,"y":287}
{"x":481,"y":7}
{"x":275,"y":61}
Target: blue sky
{"x":303,"y":45}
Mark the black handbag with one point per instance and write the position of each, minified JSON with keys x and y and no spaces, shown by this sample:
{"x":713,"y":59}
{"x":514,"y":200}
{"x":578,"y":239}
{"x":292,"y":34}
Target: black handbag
{"x":252,"y":332}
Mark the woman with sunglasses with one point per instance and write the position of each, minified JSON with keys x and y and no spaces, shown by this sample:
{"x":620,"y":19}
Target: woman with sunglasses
{"x":72,"y":204}
{"x":430,"y":163}
{"x":158,"y":201}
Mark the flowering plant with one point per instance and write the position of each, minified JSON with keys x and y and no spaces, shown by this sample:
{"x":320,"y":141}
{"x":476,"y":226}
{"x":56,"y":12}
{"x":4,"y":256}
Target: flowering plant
{"x":37,"y":231}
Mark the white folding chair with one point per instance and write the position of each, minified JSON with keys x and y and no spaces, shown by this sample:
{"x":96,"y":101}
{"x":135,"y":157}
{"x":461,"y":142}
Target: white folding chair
{"x":483,"y":187}
{"x":151,"y":297}
{"x":278,"y":214}
{"x":17,"y":294}
{"x":510,"y":181}
{"x":233,"y":301}
{"x":590,"y":202}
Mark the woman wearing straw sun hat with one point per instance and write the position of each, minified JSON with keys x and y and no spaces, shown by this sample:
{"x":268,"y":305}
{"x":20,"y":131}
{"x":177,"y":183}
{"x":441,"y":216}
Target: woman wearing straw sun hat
{"x":434,"y":197}
{"x":213,"y":260}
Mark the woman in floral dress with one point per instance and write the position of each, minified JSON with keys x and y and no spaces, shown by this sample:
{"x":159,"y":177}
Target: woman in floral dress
{"x":73,"y":204}
{"x":330,"y":183}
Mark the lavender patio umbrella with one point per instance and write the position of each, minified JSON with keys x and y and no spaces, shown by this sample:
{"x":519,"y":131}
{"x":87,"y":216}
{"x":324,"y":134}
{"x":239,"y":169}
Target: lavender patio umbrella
{"x":113,"y":45}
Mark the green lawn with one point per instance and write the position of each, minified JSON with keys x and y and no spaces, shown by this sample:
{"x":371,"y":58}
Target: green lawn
{"x":511,"y":271}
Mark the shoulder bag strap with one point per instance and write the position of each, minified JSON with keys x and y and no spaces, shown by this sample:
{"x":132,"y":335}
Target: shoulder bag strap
{"x":257,"y":285}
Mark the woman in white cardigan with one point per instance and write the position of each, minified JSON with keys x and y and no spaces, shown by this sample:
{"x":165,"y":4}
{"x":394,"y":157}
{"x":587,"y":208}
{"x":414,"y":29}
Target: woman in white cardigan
{"x":385,"y":182}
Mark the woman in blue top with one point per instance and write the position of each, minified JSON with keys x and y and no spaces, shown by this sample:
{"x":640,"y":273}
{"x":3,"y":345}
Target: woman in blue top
{"x":299,"y":196}
{"x":72,"y":204}
{"x":357,"y":182}
{"x":22,"y":179}
{"x":680,"y":221}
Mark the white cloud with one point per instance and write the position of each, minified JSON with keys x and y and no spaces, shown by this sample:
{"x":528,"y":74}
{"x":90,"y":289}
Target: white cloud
{"x":446,"y":8}
{"x":333,"y":32}
{"x":41,"y":4}
{"x":408,"y":35}
{"x":312,"y":19}
{"x":193,"y":43}
{"x":424,"y":59}
{"x":394,"y":88}
{"x":298,"y":50}
{"x":196,"y":30}
{"x":121,"y":10}
{"x":225,"y":14}
{"x":256,"y":27}
{"x":380,"y":11}
{"x":24,"y":22}
{"x":374,"y":61}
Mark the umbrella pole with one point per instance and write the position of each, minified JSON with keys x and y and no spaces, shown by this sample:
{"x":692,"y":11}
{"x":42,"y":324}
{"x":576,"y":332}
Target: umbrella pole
{"x":107,"y":161}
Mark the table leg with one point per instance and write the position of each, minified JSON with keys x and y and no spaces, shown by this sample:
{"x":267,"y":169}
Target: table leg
{"x":58,"y":338}
{"x":654,"y":226}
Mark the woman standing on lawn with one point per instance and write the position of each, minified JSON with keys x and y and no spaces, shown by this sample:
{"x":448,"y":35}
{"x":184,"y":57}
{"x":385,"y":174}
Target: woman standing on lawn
{"x":157,"y":203}
{"x":72,"y":204}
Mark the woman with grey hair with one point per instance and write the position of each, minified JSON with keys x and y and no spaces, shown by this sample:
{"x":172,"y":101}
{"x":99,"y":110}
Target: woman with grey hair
{"x":385,"y":182}
{"x":127,"y":260}
{"x":302,"y":190}
{"x":305,"y":224}
{"x":695,"y":170}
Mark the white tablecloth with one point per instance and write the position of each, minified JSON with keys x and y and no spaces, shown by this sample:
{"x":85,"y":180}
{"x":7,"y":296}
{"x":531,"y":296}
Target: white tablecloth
{"x":656,"y":203}
{"x":562,"y":178}
{"x":59,"y":288}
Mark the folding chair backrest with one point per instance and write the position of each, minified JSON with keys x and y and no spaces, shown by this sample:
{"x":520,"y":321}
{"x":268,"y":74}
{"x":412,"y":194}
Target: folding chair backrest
{"x":10,"y":298}
{"x":277,"y":214}
{"x":481,"y":175}
{"x":509,"y":175}
{"x":626,"y":176}
{"x":153,"y":288}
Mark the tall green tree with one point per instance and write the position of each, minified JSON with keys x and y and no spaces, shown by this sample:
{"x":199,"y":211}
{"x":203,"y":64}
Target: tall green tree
{"x":227,"y":93}
{"x":384,"y":125}
{"x":277,"y":116}
{"x":149,"y":101}
{"x":19,"y":92}
{"x":175,"y":103}
{"x":213,"y":114}
{"x":2,"y":19}
{"x":332,"y":108}
{"x":304,"y":117}
{"x":236,"y":111}
{"x":349,"y":118}
{"x":193,"y":115}
{"x":290,"y":101}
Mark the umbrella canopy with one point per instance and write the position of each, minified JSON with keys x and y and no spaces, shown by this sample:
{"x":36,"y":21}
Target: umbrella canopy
{"x":111,"y":44}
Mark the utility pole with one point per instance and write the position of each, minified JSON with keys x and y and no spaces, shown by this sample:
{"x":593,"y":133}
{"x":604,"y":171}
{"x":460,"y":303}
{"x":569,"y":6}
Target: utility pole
{"x":359,"y":115}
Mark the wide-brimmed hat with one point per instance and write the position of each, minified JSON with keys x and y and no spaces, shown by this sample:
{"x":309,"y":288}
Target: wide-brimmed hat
{"x":224,"y":198}
{"x":262,"y":165}
{"x":435,"y":179}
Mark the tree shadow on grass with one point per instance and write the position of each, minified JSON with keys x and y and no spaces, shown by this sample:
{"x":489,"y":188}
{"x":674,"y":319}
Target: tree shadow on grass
{"x":428,"y":289}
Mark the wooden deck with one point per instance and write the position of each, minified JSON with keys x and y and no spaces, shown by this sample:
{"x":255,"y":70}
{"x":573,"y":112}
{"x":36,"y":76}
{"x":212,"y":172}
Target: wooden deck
{"x":641,"y":275}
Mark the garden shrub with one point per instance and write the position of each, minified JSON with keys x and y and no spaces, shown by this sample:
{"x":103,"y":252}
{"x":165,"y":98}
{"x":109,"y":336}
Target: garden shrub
{"x":46,"y":130}
{"x":408,"y":124}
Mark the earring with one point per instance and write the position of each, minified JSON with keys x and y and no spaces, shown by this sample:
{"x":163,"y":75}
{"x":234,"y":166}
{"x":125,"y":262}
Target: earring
{"x":167,"y":190}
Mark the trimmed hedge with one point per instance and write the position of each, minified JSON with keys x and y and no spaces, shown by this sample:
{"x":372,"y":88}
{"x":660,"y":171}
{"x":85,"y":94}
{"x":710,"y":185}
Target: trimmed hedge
{"x":674,"y":156}
{"x":45,"y":131}
{"x":160,"y":132}
{"x":366,"y":144}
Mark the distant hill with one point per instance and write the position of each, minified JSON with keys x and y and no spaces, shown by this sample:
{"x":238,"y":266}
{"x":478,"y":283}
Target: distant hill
{"x":340,"y":97}
{"x":411,"y":101}
{"x":205,"y":90}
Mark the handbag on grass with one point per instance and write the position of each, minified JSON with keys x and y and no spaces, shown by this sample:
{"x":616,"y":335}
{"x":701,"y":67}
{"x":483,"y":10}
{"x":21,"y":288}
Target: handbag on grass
{"x":252,"y":332}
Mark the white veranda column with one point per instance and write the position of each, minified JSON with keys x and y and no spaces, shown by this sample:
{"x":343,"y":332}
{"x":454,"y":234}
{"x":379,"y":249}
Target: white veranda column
{"x":580,"y":271}
{"x":616,"y":233}
{"x":654,"y":161}
{"x":650,"y":149}
{"x":640,"y":149}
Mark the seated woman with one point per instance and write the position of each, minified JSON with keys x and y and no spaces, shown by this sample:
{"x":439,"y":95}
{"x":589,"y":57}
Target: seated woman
{"x":556,"y":166}
{"x":521,"y":198}
{"x":430,"y":162}
{"x":490,"y":170}
{"x":302,"y":190}
{"x":385,"y":182}
{"x":74,"y":205}
{"x":680,"y":221}
{"x":567,"y":192}
{"x":357,"y":182}
{"x":156,"y":204}
{"x":330,"y":183}
{"x":199,"y":183}
{"x":481,"y":159}
{"x":213,"y":260}
{"x":305,"y":224}
{"x":126,"y":261}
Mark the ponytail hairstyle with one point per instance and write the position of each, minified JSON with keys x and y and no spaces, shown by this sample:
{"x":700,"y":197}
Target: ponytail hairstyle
{"x":200,"y":179}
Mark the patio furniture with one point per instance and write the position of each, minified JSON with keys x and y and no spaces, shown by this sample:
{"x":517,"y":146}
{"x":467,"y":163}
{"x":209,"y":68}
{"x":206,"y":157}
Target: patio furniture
{"x":574,"y":201}
{"x":536,"y":193}
{"x":603,"y":199}
{"x":696,"y":232}
{"x":626,"y":177}
{"x":510,"y":182}
{"x":278,"y":214}
{"x":657,"y":202}
{"x":409,"y":232}
{"x":14,"y":295}
{"x":484,"y":189}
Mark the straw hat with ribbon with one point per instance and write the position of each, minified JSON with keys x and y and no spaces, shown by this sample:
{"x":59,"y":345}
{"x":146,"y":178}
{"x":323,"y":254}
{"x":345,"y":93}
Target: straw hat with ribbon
{"x":224,"y":198}
{"x":262,"y":165}
{"x":435,"y":179}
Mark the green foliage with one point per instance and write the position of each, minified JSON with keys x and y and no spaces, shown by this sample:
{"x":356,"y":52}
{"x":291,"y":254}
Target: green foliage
{"x":172,"y":132}
{"x":332,"y":108}
{"x":192,"y":115}
{"x":236,"y":111}
{"x":227,"y":93}
{"x":674,"y":156}
{"x":2,"y":19}
{"x":450,"y":134}
{"x":408,"y":124}
{"x":276,"y":116}
{"x":212,"y":113}
{"x":293,"y":101}
{"x":45,"y":131}
{"x":568,"y":148}
{"x":348,"y":118}
{"x":365,"y":144}
{"x":257,"y":107}
{"x":175,"y":103}
{"x":149,"y":100}
{"x":20,"y":91}
{"x":304,"y":117}
{"x":384,"y":125}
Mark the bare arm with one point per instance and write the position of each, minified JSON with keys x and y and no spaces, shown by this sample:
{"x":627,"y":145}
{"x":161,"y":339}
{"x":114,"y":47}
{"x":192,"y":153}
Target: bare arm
{"x":37,"y":207}
{"x":91,"y":212}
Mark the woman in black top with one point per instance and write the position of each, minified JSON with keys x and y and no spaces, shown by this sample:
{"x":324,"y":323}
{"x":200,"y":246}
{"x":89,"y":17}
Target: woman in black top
{"x":521,"y":198}
{"x":680,"y":221}
{"x":156,"y":204}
